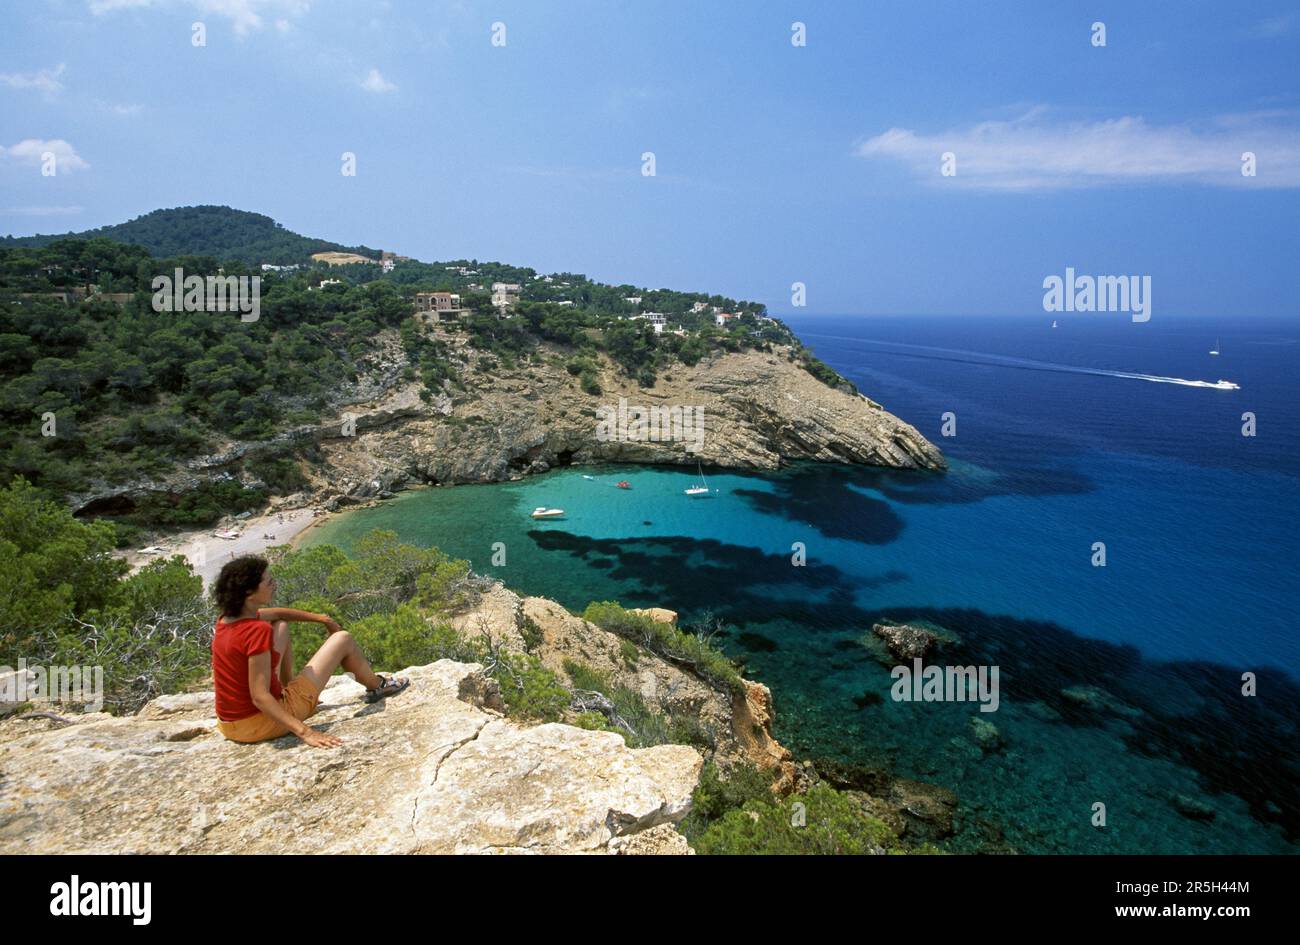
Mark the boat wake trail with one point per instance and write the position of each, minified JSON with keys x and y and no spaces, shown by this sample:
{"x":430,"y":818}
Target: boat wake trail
{"x":930,"y":352}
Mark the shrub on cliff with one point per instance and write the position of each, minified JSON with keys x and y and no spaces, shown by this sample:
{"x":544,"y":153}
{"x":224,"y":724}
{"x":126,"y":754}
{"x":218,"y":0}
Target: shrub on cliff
{"x":715,"y":795}
{"x":667,"y":641}
{"x":65,"y":601}
{"x":382,"y":573}
{"x":51,"y":565}
{"x":155,"y":637}
{"x":822,"y":821}
{"x":530,"y":690}
{"x":405,"y":638}
{"x":824,"y":373}
{"x":627,"y":713}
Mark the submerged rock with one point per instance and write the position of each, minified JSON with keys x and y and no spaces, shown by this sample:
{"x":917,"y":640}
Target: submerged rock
{"x":986,"y":735}
{"x":927,"y":808}
{"x":1096,"y":699}
{"x":909,"y":641}
{"x":1192,"y":808}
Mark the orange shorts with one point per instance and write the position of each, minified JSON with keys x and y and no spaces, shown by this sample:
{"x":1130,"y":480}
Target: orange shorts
{"x":299,"y":699}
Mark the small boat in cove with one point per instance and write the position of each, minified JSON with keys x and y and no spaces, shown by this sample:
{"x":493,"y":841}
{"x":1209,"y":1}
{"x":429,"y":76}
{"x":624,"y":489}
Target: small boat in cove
{"x":543,"y":512}
{"x":702,"y":488}
{"x":624,"y":484}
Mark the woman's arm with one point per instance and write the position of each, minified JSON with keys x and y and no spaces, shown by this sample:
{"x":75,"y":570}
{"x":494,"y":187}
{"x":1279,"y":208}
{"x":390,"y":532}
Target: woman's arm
{"x":273,"y":614}
{"x":259,"y":688}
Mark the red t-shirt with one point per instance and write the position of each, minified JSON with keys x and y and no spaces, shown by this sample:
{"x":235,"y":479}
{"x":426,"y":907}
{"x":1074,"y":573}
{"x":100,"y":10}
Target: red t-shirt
{"x":232,"y":644}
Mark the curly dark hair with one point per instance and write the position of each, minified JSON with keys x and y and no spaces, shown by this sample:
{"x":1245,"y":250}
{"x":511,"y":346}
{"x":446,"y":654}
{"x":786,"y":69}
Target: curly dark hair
{"x":237,"y":580}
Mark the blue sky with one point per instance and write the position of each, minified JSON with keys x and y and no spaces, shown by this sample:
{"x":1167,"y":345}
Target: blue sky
{"x":774,"y":163}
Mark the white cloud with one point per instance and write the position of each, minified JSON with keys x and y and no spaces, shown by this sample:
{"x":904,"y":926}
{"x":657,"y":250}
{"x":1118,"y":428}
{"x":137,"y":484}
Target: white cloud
{"x":30,"y":152}
{"x":1274,"y":26}
{"x":1033,"y":152}
{"x":47,"y":80}
{"x":100,"y":7}
{"x":374,"y":82}
{"x":245,"y":16}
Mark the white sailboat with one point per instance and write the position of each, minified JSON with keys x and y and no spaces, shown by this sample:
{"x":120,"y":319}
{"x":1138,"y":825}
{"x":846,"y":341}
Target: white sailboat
{"x":1053,"y":323}
{"x":1215,"y":349}
{"x":703,"y":487}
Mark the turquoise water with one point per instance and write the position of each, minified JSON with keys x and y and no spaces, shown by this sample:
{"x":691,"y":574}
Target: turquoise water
{"x":1198,"y":588}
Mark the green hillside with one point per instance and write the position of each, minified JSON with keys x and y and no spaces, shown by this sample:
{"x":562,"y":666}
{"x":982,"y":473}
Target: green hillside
{"x":220,"y":232}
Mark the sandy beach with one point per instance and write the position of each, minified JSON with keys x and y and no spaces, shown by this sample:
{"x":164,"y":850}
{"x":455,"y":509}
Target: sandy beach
{"x":207,"y":552}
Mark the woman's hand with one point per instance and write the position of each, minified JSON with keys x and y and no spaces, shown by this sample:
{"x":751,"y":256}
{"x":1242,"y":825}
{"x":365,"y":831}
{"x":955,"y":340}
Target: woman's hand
{"x":318,"y":739}
{"x":331,"y":625}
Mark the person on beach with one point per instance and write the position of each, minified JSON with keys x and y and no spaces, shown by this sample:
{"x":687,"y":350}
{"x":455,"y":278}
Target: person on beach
{"x":257,"y":695}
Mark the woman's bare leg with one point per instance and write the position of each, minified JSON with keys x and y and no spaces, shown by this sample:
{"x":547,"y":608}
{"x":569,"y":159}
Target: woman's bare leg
{"x":339,"y":649}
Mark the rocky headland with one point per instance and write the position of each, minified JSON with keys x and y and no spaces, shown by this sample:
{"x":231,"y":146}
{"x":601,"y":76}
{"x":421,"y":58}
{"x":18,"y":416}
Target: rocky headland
{"x":761,"y":410}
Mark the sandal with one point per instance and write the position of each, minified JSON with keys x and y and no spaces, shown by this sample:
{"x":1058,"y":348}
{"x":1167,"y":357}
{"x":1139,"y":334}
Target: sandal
{"x":388,"y":686}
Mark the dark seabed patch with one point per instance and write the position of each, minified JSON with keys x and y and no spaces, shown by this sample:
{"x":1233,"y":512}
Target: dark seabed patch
{"x":756,"y":642}
{"x":832,"y":498}
{"x":1170,"y":746}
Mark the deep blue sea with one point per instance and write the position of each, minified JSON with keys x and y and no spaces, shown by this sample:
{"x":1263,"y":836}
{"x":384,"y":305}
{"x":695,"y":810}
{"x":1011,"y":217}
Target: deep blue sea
{"x":1119,"y":685}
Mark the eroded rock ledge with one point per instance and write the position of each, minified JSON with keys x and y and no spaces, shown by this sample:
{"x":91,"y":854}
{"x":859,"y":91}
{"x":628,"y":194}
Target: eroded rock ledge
{"x":436,"y":769}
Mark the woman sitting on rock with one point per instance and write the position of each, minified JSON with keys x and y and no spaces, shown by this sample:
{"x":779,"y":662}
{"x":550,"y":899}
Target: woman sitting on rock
{"x":257,"y":695}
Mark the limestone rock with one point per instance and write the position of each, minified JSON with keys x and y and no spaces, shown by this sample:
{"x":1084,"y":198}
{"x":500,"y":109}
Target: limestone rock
{"x":906,"y":641}
{"x":741,"y":725}
{"x":660,"y":614}
{"x":424,"y":771}
{"x":497,"y":614}
{"x":663,"y":840}
{"x":751,"y":724}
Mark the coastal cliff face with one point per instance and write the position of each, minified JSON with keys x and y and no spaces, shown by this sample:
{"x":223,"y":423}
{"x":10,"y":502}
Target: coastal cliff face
{"x":436,"y":769}
{"x":759,"y":411}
